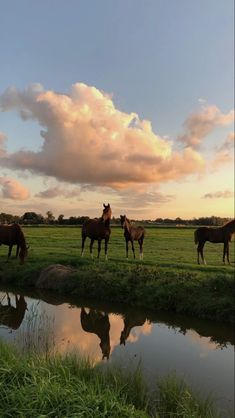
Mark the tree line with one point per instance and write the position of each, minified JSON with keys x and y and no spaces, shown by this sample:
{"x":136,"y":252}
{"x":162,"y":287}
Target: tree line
{"x":33,"y":218}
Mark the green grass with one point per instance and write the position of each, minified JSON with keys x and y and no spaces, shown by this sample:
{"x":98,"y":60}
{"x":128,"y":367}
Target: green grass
{"x":35,"y":386}
{"x":168,"y":278}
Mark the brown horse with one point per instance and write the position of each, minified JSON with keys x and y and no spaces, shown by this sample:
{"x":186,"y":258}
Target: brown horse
{"x":13,"y":235}
{"x":97,"y":323}
{"x":222,"y":234}
{"x":12,"y":316}
{"x":132,"y":233}
{"x":97,"y":230}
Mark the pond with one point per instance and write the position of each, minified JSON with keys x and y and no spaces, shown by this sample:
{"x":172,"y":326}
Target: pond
{"x":200,"y":351}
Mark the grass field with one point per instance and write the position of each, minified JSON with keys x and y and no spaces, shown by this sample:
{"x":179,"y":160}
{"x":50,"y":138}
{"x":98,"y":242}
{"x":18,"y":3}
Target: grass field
{"x":167,"y":278}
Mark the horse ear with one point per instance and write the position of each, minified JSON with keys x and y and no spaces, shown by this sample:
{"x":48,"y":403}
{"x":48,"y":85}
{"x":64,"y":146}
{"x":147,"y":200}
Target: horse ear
{"x":104,"y":205}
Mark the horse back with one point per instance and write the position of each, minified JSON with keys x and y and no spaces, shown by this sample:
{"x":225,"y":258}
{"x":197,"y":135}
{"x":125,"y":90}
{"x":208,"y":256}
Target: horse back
{"x":215,"y":235}
{"x":8,"y":235}
{"x":95,"y":229}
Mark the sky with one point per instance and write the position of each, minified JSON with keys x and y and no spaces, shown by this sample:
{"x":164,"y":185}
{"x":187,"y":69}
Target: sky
{"x":127,"y":102}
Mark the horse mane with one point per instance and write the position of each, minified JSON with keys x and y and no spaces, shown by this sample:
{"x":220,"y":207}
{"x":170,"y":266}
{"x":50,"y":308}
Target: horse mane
{"x":229,"y":223}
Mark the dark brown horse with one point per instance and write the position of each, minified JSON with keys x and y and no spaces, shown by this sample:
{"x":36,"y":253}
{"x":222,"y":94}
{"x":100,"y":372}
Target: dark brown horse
{"x":12,"y":316}
{"x":132,"y":233}
{"x":222,"y":234}
{"x":13,"y":235}
{"x":97,"y":323}
{"x":131,"y":320}
{"x":97,"y":230}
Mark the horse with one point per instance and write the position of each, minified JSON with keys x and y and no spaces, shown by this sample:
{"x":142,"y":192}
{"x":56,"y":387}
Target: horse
{"x":12,"y":316}
{"x":98,"y":229}
{"x":221,"y":234}
{"x":131,"y":320}
{"x":13,"y":235}
{"x":97,"y":323}
{"x":132,"y":233}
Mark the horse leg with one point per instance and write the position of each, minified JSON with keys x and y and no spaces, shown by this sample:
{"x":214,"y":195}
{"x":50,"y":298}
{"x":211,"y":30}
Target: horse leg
{"x":91,"y":247}
{"x":226,"y":252}
{"x":200,"y":252}
{"x":99,"y":248}
{"x":9,"y":252}
{"x":17,"y":250}
{"x":106,"y":248}
{"x":83,"y":244}
{"x":127,"y":249}
{"x":133,"y":249}
{"x":141,"y":248}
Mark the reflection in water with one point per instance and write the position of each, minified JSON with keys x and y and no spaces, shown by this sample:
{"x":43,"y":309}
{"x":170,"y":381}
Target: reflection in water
{"x":12,"y":316}
{"x":199,"y":350}
{"x":131,"y":320}
{"x":97,"y":323}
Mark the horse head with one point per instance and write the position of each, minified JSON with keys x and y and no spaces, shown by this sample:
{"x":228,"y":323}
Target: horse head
{"x":107,"y":212}
{"x":23,"y":254}
{"x":123,"y":220}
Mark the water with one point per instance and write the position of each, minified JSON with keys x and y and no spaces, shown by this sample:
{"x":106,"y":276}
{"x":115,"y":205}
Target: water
{"x":200,"y":351}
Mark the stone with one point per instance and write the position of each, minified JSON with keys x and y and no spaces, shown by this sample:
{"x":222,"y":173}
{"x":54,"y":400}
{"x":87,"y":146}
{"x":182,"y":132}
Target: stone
{"x":55,"y":277}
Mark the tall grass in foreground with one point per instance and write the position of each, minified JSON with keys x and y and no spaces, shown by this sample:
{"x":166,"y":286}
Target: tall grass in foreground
{"x":32,"y":385}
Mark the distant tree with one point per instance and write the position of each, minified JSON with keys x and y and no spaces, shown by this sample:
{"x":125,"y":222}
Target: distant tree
{"x":50,"y":217}
{"x":61,"y":219}
{"x":31,"y":218}
{"x":8,"y":218}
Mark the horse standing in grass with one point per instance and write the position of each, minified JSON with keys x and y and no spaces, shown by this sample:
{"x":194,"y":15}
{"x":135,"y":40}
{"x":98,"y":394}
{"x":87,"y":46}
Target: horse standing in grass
{"x":132,"y":233}
{"x":97,"y":230}
{"x":222,"y":234}
{"x":13,"y":235}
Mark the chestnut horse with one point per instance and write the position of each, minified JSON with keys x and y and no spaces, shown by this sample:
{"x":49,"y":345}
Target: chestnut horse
{"x":222,"y":234}
{"x":132,"y":233}
{"x":97,"y":230}
{"x":13,"y":235}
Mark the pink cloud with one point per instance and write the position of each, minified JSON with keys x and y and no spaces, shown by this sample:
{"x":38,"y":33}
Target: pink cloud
{"x":12,"y":189}
{"x":87,"y":140}
{"x":199,"y":125}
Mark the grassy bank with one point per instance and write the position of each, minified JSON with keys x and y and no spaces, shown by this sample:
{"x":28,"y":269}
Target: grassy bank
{"x":167,"y":279}
{"x":36,"y":386}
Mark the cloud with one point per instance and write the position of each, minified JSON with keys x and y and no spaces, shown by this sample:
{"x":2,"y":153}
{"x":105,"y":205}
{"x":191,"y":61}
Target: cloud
{"x":2,"y":144}
{"x":226,"y":194}
{"x":228,"y":143}
{"x":132,"y":198}
{"x":12,"y":189}
{"x":225,"y":153}
{"x":57,"y":191}
{"x":87,"y":140}
{"x":198,"y":125}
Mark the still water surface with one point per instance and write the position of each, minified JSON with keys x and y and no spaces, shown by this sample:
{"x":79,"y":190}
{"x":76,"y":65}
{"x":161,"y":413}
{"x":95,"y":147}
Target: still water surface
{"x":200,"y":351}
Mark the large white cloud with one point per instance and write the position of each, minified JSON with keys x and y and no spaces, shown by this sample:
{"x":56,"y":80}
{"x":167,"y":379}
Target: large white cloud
{"x":85,"y":139}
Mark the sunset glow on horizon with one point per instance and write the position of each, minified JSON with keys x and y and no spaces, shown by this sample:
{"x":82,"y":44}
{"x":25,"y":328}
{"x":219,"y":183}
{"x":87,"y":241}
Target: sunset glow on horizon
{"x":102,"y":120}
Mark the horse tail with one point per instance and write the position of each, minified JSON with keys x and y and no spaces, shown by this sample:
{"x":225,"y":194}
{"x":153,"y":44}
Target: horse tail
{"x":196,"y":236}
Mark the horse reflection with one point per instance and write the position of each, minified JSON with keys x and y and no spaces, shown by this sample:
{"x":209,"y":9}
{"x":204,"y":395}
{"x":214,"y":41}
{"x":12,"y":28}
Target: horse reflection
{"x":12,"y":316}
{"x":97,"y":322}
{"x":131,"y":320}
